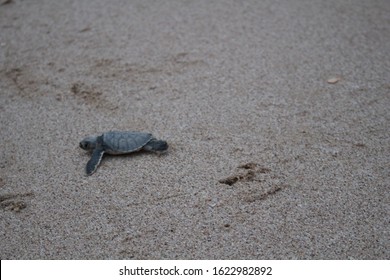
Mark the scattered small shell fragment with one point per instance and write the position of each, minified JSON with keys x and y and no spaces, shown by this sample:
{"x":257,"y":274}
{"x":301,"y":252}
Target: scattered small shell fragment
{"x":333,"y":80}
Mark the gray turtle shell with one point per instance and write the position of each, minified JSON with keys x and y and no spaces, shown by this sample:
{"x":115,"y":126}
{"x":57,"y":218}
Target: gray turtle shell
{"x":122,"y":142}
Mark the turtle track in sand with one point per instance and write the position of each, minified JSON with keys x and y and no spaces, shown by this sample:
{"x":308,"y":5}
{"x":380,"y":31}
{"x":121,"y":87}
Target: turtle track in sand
{"x":262,"y":182}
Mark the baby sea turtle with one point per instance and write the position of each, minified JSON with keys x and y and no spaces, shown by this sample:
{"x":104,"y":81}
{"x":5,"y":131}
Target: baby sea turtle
{"x":118,"y":143}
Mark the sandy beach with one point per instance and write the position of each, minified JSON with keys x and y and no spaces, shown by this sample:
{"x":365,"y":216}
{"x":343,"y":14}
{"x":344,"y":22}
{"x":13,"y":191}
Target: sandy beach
{"x":276,"y":114}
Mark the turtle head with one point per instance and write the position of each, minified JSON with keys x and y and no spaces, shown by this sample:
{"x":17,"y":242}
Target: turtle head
{"x":89,"y":143}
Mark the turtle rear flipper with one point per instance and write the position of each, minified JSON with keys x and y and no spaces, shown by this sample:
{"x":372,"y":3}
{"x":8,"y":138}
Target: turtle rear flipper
{"x":155,"y":145}
{"x":94,"y":162}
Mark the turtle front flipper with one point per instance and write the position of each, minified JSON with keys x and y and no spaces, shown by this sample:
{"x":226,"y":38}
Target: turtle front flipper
{"x":94,"y":162}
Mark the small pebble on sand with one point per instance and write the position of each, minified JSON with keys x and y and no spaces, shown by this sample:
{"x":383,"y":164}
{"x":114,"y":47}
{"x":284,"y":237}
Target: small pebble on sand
{"x":333,"y":80}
